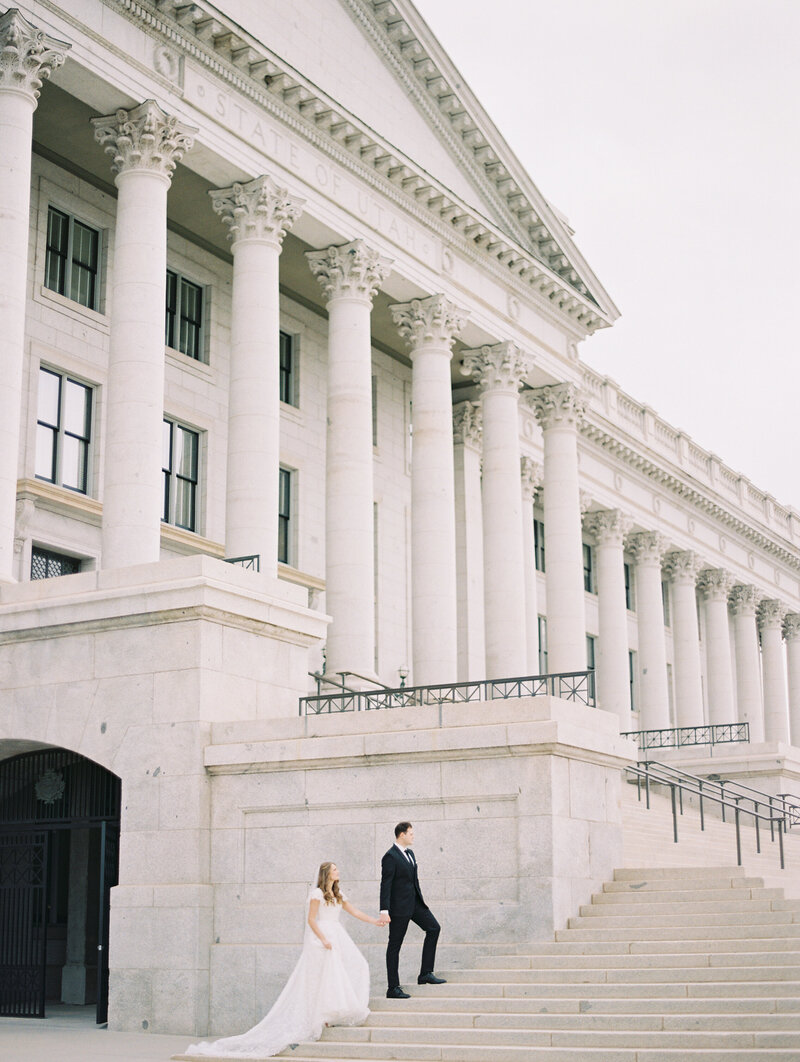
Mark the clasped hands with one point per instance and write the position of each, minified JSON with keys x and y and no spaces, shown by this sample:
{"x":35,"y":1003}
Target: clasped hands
{"x":384,"y":920}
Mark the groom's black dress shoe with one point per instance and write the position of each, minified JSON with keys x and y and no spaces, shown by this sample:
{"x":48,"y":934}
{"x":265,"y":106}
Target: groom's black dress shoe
{"x":397,"y":993}
{"x":429,"y":979}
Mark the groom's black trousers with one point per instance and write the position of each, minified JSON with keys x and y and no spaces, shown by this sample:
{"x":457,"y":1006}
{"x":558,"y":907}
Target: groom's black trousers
{"x":423,"y":918}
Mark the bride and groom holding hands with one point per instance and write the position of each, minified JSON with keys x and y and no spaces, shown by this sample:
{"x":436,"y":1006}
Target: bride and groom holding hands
{"x":330,"y":983}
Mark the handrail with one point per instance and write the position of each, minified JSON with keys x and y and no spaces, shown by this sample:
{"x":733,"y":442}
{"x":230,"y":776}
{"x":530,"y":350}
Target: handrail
{"x":680,"y":782}
{"x":364,"y":678}
{"x":789,"y":804}
{"x":569,"y":685}
{"x":320,"y":677}
{"x":681,"y":736}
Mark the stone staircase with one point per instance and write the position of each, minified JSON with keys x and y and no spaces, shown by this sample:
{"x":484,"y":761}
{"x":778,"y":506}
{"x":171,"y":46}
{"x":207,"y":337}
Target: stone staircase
{"x":696,"y":960}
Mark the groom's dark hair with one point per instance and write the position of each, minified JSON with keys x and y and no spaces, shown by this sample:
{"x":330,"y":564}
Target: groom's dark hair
{"x":401,"y":827}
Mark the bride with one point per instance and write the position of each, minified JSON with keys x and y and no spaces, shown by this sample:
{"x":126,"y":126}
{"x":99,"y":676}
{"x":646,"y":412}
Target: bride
{"x":328,"y":986}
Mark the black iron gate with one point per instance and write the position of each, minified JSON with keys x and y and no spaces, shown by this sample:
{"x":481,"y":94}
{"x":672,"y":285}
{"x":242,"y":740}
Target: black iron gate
{"x":23,"y":923}
{"x":41,"y":792}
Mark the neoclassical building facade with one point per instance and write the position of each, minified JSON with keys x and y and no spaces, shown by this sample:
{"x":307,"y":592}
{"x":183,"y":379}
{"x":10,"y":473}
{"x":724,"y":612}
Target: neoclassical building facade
{"x":274,"y":290}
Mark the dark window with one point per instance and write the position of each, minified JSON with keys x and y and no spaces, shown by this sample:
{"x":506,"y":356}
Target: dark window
{"x":288,"y":369}
{"x":284,"y":515}
{"x":630,"y":603}
{"x":588,"y":570}
{"x":180,"y":467}
{"x":542,"y":621}
{"x":184,"y":316}
{"x":63,"y":430}
{"x":632,"y":678}
{"x":591,"y":645}
{"x":71,"y":260}
{"x":538,"y":544}
{"x":47,"y":565}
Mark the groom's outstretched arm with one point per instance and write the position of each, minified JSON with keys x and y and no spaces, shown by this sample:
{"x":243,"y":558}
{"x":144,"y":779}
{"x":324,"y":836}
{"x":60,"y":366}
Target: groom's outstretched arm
{"x":387,"y":876}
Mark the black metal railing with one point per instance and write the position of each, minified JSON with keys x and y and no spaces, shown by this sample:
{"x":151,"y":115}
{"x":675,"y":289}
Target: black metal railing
{"x":761,"y":810}
{"x":680,"y":736}
{"x":569,"y":685}
{"x":784,"y":803}
{"x":252,"y":562}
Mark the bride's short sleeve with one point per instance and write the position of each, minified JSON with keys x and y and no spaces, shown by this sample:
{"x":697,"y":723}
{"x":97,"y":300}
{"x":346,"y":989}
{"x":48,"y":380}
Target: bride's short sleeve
{"x":316,"y":894}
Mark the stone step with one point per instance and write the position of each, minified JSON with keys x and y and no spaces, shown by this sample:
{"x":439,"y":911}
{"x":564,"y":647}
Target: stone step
{"x":639,"y":960}
{"x":617,"y":988}
{"x":580,"y":1004}
{"x":696,"y":884}
{"x":654,"y":871}
{"x":566,"y":946}
{"x":654,"y":908}
{"x":586,"y":975}
{"x":586,"y":930}
{"x":586,"y":1020}
{"x":686,"y":895}
{"x":505,"y":1037}
{"x":464,"y":1053}
{"x":591,"y":917}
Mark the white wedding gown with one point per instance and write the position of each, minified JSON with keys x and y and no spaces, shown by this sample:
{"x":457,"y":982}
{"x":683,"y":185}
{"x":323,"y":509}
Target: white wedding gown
{"x":326,"y":987}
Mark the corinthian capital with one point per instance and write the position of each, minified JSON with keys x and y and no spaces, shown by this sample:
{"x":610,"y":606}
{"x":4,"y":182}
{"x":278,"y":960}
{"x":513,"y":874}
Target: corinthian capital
{"x":27,"y":55}
{"x":646,"y":547}
{"x":744,"y":600}
{"x":258,"y":210}
{"x":557,"y":405}
{"x":501,"y":367}
{"x":609,"y":526}
{"x":770,"y":614}
{"x":532,"y":475}
{"x":468,"y":424}
{"x":791,"y":626}
{"x":145,"y":138}
{"x":714,"y":584}
{"x":682,"y":566}
{"x":353,"y":270}
{"x":429,"y":322}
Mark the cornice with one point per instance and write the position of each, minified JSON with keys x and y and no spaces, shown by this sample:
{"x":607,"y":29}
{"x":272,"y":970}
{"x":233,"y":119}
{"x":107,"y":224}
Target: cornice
{"x":201,"y":32}
{"x":595,"y":432}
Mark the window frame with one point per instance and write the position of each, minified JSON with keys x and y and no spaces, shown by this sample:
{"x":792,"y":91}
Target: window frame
{"x":588,"y":569}
{"x":538,"y":545}
{"x":591,"y":652}
{"x":174,"y":317}
{"x":68,"y":263}
{"x":288,"y":376}
{"x":60,"y":432}
{"x":630,"y":594}
{"x":541,"y":628}
{"x":171,"y":477}
{"x":287,"y":477}
{"x":54,"y":556}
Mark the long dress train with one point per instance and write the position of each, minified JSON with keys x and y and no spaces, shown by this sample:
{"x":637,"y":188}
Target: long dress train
{"x":326,"y":987}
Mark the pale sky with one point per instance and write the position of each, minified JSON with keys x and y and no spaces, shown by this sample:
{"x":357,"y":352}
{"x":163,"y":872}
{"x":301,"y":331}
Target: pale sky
{"x":668,"y":133}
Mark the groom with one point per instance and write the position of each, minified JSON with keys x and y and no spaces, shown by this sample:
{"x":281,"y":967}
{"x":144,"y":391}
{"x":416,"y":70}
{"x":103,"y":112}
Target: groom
{"x":401,"y":903}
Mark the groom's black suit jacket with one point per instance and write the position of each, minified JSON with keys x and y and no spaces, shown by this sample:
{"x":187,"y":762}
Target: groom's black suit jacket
{"x":400,"y":890}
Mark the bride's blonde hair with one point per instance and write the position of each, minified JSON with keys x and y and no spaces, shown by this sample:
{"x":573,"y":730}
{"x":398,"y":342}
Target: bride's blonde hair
{"x":330,"y":890}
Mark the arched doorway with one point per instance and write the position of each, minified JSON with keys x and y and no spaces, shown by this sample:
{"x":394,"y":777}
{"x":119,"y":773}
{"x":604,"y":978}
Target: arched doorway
{"x":59,"y":855}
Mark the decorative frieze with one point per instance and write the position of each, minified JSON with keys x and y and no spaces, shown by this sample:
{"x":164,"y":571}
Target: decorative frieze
{"x":557,"y":405}
{"x":501,"y":367}
{"x":468,"y":424}
{"x":743,"y":600}
{"x":609,"y":526}
{"x":770,"y":614}
{"x":352,"y":270}
{"x":682,"y":566}
{"x":646,"y":547}
{"x":532,"y":476}
{"x":260,"y":209}
{"x":27,"y":55}
{"x":434,"y":321}
{"x":144,"y":138}
{"x":714,"y":584}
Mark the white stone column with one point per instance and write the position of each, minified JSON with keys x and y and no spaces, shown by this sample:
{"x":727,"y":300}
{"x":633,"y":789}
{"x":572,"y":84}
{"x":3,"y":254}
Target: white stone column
{"x":467,"y":433}
{"x":646,"y":547}
{"x":559,"y":410}
{"x":349,"y":275}
{"x":714,"y":585}
{"x":743,"y":601}
{"x":609,"y":528}
{"x":776,"y":709}
{"x":531,"y":476}
{"x":146,"y":144}
{"x":499,"y":370}
{"x":27,"y":58}
{"x":791,"y":633}
{"x":258,"y":215}
{"x":430,"y":327}
{"x":681,"y":567}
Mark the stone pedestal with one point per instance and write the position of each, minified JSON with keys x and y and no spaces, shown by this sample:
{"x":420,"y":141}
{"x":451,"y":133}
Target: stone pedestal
{"x":258,"y":214}
{"x":559,"y":410}
{"x":430,"y":327}
{"x":28,"y":58}
{"x":349,"y":275}
{"x":146,"y":144}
